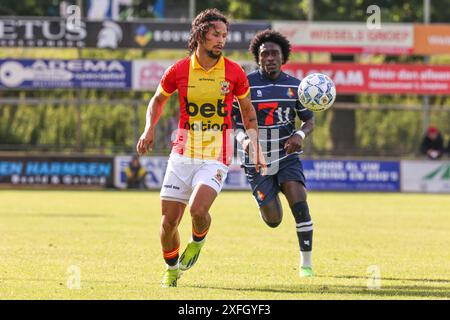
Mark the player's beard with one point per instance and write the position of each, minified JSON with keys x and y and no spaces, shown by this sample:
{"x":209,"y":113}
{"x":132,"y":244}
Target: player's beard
{"x":271,"y":73}
{"x":212,"y":55}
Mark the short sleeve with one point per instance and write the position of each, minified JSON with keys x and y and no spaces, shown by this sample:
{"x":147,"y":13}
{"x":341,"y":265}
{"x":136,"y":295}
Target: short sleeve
{"x":168,"y":83}
{"x":242,"y":87}
{"x":303,"y":113}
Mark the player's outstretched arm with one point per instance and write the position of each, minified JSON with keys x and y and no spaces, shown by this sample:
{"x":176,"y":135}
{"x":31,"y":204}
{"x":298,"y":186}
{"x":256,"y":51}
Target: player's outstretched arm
{"x":308,"y":126}
{"x":249,"y":119}
{"x":295,"y":143}
{"x":152,"y":116}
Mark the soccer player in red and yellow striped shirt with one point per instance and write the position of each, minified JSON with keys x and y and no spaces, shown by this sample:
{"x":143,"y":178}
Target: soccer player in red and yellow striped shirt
{"x":207,"y":83}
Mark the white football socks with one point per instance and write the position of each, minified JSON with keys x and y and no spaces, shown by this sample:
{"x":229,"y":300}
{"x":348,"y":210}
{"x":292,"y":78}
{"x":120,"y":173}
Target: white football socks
{"x":306,"y":259}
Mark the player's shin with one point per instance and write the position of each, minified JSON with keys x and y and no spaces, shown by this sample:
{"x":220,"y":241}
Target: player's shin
{"x":199,"y":236}
{"x":171,"y":258}
{"x":304,"y":224}
{"x":200,"y":226}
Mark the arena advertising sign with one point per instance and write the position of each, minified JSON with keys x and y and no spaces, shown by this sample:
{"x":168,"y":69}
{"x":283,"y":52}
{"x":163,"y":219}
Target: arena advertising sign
{"x":59,"y":33}
{"x":236,"y":179}
{"x":35,"y":74}
{"x":425,"y":176}
{"x":345,"y":37}
{"x":99,"y":74}
{"x":432,"y":39}
{"x":41,"y":32}
{"x":156,"y":168}
{"x":175,"y":35}
{"x":320,"y":174}
{"x":383,"y":78}
{"x":352,"y":175}
{"x":146,"y":74}
{"x":57,"y":171}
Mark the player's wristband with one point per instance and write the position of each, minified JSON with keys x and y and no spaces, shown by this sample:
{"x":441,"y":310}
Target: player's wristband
{"x":301,"y":134}
{"x":241,"y":136}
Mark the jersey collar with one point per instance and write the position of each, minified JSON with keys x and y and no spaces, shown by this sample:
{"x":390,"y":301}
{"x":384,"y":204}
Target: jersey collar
{"x":281,"y":77}
{"x":196,"y":65}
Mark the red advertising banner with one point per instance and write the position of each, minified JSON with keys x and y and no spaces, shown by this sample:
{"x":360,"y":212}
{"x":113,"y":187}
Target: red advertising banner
{"x":383,"y":78}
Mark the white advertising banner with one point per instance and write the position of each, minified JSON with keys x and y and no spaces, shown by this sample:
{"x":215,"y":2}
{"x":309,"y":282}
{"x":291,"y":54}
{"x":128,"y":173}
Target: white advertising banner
{"x":425,"y":176}
{"x":156,"y":168}
{"x":146,"y":74}
{"x":345,"y":37}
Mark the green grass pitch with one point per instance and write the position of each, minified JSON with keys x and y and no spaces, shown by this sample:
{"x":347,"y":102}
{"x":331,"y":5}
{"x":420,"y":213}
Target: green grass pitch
{"x":112,"y":238}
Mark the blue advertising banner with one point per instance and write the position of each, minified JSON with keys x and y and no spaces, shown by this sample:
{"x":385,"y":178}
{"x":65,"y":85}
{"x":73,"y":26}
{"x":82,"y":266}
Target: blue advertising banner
{"x":50,"y":74}
{"x":350,"y":175}
{"x":57,"y":171}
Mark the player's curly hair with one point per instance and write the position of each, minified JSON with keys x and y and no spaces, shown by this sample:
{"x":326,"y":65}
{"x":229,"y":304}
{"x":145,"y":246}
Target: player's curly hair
{"x":270,"y":36}
{"x":201,"y":25}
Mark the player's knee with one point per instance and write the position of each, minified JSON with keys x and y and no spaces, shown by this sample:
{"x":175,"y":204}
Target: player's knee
{"x":273,"y":224}
{"x":300,"y":210}
{"x":271,"y":218}
{"x":199,"y":212}
{"x":168,"y":224}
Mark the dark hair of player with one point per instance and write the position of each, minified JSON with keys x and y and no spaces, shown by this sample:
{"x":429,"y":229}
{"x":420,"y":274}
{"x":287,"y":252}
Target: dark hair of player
{"x":201,"y":25}
{"x":270,"y":36}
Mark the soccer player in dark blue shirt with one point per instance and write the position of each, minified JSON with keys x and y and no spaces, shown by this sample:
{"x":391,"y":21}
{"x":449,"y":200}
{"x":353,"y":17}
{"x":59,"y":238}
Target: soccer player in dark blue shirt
{"x":274,"y":96}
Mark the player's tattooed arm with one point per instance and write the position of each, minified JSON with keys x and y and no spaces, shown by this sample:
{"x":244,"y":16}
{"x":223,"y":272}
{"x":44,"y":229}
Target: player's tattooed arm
{"x":248,"y":114}
{"x":249,"y":118}
{"x":295,"y":143}
{"x":152,"y":117}
{"x":250,"y":122}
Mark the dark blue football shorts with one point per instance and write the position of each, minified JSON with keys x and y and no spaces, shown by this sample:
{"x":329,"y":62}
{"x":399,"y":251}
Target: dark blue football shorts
{"x":267,"y":187}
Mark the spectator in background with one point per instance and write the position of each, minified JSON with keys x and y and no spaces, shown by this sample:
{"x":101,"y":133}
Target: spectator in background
{"x":432,"y":144}
{"x":135,"y":174}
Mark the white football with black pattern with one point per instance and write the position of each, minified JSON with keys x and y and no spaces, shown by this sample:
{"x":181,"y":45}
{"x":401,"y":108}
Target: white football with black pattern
{"x":317,"y":92}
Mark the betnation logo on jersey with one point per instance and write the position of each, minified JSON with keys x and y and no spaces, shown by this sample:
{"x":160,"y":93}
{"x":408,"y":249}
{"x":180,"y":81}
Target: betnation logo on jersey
{"x":206,"y":116}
